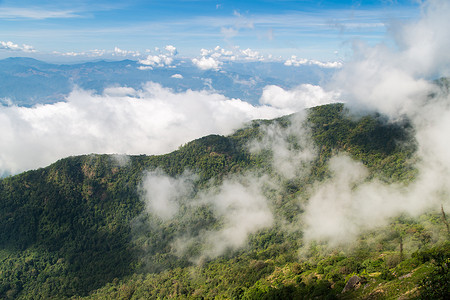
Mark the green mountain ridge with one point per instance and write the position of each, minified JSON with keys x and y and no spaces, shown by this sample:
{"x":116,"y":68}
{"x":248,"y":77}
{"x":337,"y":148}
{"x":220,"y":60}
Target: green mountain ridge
{"x":82,"y":227}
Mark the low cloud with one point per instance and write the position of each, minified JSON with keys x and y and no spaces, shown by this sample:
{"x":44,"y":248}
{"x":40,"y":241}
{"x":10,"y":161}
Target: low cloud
{"x":151,"y":120}
{"x":10,"y":46}
{"x":238,"y":204}
{"x":395,"y":82}
{"x":120,"y":52}
{"x":163,"y":194}
{"x":292,"y":148}
{"x":159,"y":59}
{"x":214,"y":58}
{"x":207,"y":63}
{"x":243,"y":210}
{"x":297,"y":62}
{"x":300,"y":97}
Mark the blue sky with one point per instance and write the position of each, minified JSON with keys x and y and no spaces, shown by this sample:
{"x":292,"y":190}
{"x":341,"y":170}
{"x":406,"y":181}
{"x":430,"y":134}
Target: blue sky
{"x":321,"y":30}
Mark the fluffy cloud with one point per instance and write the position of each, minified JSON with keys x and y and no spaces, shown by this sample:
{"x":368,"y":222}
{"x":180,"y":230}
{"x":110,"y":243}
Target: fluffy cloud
{"x":171,"y":49}
{"x":393,"y":81}
{"x":205,"y":63}
{"x":159,"y":59}
{"x":152,"y":120}
{"x":298,"y":98}
{"x":10,"y":46}
{"x":120,"y":52}
{"x":296,"y":62}
{"x":214,"y":58}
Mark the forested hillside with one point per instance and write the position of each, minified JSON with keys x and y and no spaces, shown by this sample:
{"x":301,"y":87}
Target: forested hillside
{"x":225,"y":217}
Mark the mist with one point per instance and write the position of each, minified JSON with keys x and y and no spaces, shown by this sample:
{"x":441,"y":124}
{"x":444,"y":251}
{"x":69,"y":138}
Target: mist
{"x":238,"y":204}
{"x":396,"y":81}
{"x":122,"y":120}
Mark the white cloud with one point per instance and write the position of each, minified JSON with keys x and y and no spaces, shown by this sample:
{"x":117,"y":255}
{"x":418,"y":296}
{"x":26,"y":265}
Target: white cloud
{"x":177,"y":76}
{"x":392,"y":81}
{"x":159,"y":59}
{"x":37,"y":14}
{"x":214,"y":58}
{"x":251,"y":54}
{"x":90,"y":53}
{"x":296,"y":62}
{"x":298,"y":98}
{"x":120,"y":52}
{"x":152,"y":120}
{"x":163,"y":194}
{"x":10,"y":46}
{"x":287,"y":161}
{"x":171,"y":49}
{"x":205,"y":52}
{"x":145,"y":68}
{"x":238,"y":203}
{"x":207,"y":63}
{"x":244,"y":210}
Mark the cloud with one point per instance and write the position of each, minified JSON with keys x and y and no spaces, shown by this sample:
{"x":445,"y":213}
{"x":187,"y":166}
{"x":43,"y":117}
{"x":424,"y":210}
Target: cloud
{"x":36,"y":14}
{"x":120,"y":52}
{"x":292,"y":148}
{"x":159,"y":59}
{"x":238,"y":204}
{"x":212,"y":59}
{"x":171,"y":49}
{"x":207,"y":63}
{"x":349,"y":204}
{"x":250,"y":54}
{"x":101,"y":52}
{"x":244,"y":210}
{"x":177,"y":76}
{"x":151,"y":120}
{"x":10,"y":46}
{"x":90,"y":53}
{"x":296,"y":62}
{"x":162,"y":194}
{"x":393,"y":81}
{"x":298,"y":98}
{"x":239,"y":22}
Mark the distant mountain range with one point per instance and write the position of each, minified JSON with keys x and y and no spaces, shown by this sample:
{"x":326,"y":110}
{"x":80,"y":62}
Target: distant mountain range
{"x":26,"y":81}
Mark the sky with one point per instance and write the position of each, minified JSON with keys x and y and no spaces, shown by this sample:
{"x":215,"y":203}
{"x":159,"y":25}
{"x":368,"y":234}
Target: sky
{"x":396,"y":48}
{"x":82,"y":29}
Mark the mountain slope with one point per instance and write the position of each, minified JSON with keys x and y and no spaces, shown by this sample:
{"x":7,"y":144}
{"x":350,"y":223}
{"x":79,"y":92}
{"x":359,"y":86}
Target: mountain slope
{"x":84,"y":223}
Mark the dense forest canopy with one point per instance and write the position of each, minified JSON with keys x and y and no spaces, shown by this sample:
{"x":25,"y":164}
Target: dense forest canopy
{"x":288,"y":208}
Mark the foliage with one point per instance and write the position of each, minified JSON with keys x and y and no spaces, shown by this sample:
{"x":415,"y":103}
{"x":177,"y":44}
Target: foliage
{"x":78,"y":228}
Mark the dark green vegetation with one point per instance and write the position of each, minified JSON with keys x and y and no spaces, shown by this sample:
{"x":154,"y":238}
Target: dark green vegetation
{"x":78,"y":228}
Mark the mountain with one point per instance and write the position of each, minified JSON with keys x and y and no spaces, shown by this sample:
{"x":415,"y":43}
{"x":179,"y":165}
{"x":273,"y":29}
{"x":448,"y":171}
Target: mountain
{"x":27,"y":82}
{"x":223,"y":216}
